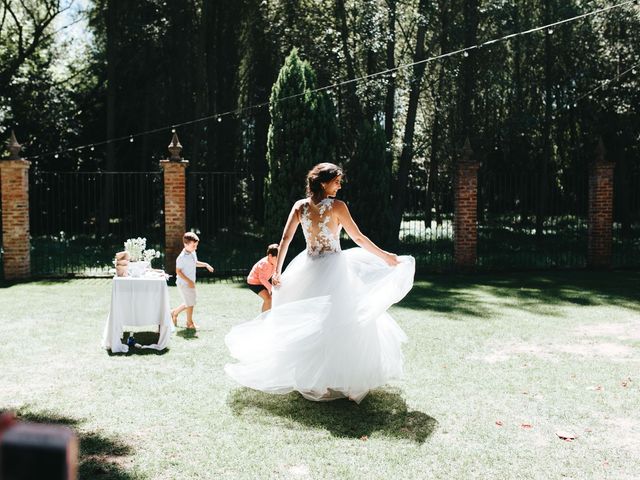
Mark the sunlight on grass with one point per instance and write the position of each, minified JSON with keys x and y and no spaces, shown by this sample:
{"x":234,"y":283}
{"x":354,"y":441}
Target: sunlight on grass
{"x":497,"y":367}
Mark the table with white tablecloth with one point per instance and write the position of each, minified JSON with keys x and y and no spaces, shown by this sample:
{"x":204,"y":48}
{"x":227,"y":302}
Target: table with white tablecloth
{"x":138,"y":302}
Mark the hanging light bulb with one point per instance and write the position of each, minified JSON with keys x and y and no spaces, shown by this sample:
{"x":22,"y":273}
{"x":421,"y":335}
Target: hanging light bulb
{"x":219,"y":119}
{"x":92,"y":148}
{"x":465,"y":54}
{"x":550,"y":31}
{"x":130,"y":139}
{"x":56,"y":156}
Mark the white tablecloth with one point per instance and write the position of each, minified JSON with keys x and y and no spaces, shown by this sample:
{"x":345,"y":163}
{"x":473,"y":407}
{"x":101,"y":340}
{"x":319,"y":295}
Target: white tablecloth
{"x":137,"y":302}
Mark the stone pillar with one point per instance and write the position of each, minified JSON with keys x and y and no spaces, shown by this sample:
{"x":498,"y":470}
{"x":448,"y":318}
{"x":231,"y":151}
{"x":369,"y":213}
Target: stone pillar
{"x":600,"y":233}
{"x":465,"y":217}
{"x":175,"y":218}
{"x":14,"y":185}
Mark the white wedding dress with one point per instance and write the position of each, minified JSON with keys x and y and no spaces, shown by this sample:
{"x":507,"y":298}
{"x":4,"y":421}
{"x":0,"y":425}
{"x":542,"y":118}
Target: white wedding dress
{"x":328,"y":334}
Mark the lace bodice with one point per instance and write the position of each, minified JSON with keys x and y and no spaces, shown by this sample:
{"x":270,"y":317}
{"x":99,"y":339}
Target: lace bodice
{"x":315,"y":221}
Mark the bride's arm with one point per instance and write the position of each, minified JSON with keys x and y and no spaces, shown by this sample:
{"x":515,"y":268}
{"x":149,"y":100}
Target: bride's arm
{"x":287,"y":235}
{"x":344,"y":216}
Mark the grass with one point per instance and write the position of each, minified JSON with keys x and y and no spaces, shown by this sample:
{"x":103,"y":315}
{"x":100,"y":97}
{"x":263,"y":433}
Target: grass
{"x":487,"y":356}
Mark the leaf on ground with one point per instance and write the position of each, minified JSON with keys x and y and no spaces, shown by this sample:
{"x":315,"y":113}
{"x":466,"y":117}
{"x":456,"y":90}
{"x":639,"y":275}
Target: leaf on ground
{"x":499,"y":423}
{"x":596,"y":388}
{"x":364,"y":438}
{"x":526,"y":425}
{"x":566,"y":436}
{"x":625,"y":383}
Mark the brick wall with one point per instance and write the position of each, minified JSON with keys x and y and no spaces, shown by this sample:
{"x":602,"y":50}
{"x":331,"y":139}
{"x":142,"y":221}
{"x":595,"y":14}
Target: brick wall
{"x":600,"y":236}
{"x":465,"y":224}
{"x":14,"y":185}
{"x":174,"y":210}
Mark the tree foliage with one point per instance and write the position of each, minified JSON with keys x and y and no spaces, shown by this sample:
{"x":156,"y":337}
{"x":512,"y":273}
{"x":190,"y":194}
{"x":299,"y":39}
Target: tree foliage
{"x":301,"y":134}
{"x":528,"y":103}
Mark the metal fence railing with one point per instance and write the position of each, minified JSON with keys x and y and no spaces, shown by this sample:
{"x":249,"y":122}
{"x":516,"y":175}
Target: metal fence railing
{"x":78,"y":220}
{"x":626,"y":218}
{"x":219,"y":211}
{"x":525,"y":223}
{"x":428,"y":236}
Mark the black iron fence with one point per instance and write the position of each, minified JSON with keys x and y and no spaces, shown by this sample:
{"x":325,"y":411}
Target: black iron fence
{"x":426,"y":231}
{"x":524,"y":222}
{"x":78,"y":220}
{"x":626,"y":217}
{"x":219,"y":210}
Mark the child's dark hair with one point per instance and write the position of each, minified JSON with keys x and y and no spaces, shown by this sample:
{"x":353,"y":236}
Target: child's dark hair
{"x":190,"y":237}
{"x":321,"y":173}
{"x":273,"y":249}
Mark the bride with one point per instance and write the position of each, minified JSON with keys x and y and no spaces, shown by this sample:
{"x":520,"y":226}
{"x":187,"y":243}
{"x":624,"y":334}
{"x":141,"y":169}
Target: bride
{"x":328,"y":334}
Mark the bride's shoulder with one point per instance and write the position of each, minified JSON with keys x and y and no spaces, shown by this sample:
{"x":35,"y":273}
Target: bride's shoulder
{"x":297,"y":207}
{"x":339,"y":204}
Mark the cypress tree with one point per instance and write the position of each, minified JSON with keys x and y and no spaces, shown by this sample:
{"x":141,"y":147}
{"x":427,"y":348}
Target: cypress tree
{"x":302,"y":133}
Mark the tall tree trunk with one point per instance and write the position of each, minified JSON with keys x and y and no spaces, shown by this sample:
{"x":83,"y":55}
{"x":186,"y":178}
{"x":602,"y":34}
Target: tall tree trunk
{"x":259,"y":77}
{"x":406,"y":156}
{"x":468,"y":67}
{"x":390,"y":99}
{"x":545,"y":161}
{"x":198,"y":68}
{"x":210,"y":25}
{"x":519,"y":152}
{"x":436,"y":131}
{"x":354,"y":109}
{"x":112,"y":43}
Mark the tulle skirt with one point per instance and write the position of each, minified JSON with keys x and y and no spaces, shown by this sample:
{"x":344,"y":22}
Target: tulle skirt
{"x":328,"y":334}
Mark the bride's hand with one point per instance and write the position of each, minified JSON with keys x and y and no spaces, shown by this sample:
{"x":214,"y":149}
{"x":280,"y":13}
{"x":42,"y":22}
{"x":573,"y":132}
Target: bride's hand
{"x":391,"y":259}
{"x":275,"y":280}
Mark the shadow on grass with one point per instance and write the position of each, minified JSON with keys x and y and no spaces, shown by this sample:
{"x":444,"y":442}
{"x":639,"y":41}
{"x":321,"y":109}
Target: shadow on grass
{"x":187,"y":333}
{"x":100,"y":456}
{"x":382,"y":411}
{"x":143,"y":338}
{"x":462,"y":294}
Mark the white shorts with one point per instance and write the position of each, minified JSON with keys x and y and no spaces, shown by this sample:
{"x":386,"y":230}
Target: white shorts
{"x":188,"y":295}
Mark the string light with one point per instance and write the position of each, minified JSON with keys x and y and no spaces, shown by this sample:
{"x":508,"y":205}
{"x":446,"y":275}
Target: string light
{"x":392,"y":71}
{"x":606,"y":83}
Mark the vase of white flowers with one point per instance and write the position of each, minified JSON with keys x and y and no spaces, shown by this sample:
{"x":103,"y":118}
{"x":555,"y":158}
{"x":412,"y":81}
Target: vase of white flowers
{"x":140,"y":257}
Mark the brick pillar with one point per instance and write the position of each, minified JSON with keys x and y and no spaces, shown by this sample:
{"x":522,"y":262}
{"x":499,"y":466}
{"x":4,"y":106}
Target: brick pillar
{"x":175,"y":218}
{"x":14,"y":185}
{"x":600,"y":234}
{"x":465,"y":217}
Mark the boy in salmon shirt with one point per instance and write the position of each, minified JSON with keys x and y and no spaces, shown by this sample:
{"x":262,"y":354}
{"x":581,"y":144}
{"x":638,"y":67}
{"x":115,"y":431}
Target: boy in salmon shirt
{"x":259,"y":279}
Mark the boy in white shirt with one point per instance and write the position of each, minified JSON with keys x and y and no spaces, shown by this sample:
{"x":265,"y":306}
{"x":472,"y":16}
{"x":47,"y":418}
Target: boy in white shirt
{"x":186,"y":264}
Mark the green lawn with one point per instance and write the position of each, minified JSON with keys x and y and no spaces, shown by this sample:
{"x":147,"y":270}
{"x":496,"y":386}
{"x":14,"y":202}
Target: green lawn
{"x":496,"y":366}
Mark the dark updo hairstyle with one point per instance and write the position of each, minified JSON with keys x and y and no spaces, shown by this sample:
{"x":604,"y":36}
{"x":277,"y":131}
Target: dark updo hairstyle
{"x":321,"y":173}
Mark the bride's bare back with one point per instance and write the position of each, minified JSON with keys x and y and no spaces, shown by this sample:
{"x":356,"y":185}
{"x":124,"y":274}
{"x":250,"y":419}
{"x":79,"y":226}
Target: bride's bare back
{"x":321,"y":229}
